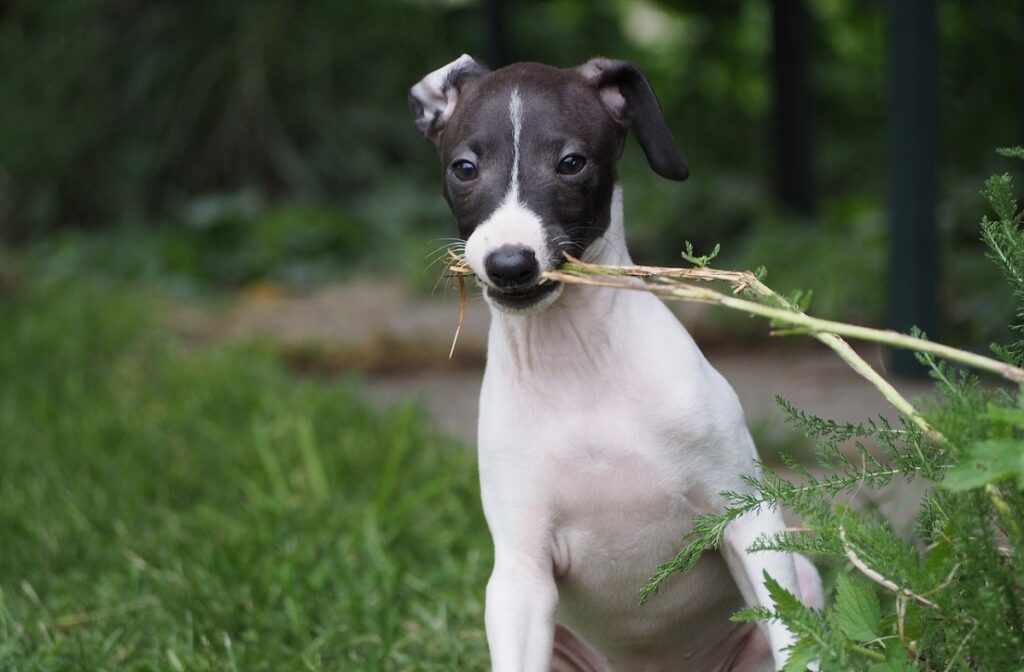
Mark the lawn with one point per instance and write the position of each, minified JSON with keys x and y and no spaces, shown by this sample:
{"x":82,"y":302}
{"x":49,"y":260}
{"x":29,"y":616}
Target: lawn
{"x":171,"y":509}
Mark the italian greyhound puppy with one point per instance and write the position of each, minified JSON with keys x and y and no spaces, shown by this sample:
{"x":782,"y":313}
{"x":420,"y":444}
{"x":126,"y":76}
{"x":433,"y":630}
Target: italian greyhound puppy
{"x":603,"y":430}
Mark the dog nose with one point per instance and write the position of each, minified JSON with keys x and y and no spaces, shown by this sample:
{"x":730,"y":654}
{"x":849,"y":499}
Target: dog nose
{"x":512,"y":266}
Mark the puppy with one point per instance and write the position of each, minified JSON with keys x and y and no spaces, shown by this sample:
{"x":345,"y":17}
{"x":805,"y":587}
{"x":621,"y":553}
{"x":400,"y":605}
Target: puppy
{"x":603,"y":430}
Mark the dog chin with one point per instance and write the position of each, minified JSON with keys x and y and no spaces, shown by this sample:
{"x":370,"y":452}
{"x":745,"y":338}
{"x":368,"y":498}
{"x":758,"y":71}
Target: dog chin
{"x":531,"y":302}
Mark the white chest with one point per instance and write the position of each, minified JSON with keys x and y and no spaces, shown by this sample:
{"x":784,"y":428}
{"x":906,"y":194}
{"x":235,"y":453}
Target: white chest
{"x":610,"y":427}
{"x":602,"y":434}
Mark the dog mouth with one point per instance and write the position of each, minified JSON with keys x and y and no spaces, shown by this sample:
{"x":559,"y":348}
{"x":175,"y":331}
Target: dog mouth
{"x":522,"y":298}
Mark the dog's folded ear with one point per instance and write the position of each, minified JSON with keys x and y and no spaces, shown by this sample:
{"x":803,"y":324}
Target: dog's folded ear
{"x":629,"y":98}
{"x":433,"y":99}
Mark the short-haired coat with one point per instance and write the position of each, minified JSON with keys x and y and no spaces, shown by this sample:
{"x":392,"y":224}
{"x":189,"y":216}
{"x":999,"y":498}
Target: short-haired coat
{"x":603,"y":430}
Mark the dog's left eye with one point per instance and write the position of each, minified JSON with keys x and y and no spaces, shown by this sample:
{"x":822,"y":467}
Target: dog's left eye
{"x":571,"y":164}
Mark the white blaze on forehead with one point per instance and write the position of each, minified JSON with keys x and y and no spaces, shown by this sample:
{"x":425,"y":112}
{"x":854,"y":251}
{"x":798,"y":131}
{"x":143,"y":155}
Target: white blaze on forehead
{"x":515,"y":113}
{"x":512,"y":223}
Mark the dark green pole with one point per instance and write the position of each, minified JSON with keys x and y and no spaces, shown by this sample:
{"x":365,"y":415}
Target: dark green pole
{"x":496,"y":33}
{"x":792,"y":177}
{"x":913,"y":143}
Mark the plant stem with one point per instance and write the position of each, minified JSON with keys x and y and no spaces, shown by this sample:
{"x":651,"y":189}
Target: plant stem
{"x":898,"y":401}
{"x":666,"y":282}
{"x":1010,"y":525}
{"x":864,"y":651}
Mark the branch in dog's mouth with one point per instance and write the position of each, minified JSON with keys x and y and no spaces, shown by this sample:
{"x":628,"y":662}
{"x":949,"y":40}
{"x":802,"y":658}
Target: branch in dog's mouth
{"x":750,"y":295}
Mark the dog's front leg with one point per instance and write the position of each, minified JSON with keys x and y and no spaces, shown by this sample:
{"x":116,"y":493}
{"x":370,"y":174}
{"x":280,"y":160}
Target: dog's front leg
{"x":520,"y":613}
{"x":748,"y":571}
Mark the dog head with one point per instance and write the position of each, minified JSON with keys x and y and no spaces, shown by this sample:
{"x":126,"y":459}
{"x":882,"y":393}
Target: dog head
{"x":530,"y":156}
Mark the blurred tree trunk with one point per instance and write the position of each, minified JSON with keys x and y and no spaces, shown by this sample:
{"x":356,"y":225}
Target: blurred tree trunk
{"x":913,"y":143}
{"x":792,"y":176}
{"x":496,"y":33}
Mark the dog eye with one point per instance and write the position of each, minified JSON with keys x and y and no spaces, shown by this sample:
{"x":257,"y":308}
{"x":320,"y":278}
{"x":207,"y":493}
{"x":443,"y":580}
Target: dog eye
{"x":570,"y":164}
{"x":464,"y":171}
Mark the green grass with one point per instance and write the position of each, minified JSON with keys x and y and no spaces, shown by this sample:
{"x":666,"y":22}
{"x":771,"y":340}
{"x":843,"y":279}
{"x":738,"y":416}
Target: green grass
{"x":171,"y":510}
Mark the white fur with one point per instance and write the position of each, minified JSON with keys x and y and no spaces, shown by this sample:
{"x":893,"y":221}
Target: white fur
{"x":515,"y":113}
{"x":512,"y":223}
{"x":603,"y":431}
{"x":430,"y":92}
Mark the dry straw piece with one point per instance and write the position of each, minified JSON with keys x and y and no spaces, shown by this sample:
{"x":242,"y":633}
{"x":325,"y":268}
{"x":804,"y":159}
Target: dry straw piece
{"x":459,"y":269}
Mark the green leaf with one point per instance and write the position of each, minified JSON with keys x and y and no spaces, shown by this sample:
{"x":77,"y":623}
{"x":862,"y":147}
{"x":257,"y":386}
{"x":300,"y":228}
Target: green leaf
{"x":857,"y":611}
{"x":798,"y":661}
{"x":703,"y":260}
{"x":751,"y":614}
{"x":800,"y":299}
{"x":893,"y":666}
{"x":896,"y":660}
{"x":786,"y":603}
{"x":1013,"y":153}
{"x":1010,"y":416}
{"x":987,"y":462}
{"x":999,"y":192}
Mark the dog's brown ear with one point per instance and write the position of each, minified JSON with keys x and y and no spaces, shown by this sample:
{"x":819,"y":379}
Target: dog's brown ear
{"x":629,"y":98}
{"x":434,"y":97}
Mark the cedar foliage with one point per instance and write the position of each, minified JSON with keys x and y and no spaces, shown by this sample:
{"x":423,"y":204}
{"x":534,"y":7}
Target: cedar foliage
{"x":950,"y":597}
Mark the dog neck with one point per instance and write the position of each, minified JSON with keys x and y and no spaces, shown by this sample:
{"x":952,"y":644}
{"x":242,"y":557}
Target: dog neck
{"x":577,"y":329}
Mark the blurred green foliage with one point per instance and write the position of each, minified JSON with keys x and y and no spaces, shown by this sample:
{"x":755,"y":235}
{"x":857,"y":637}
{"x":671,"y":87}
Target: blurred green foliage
{"x":119,"y":109}
{"x":128,"y":114}
{"x":223,"y":242}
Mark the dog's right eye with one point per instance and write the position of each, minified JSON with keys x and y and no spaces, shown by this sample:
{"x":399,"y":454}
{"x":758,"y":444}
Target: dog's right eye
{"x":464,"y":171}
